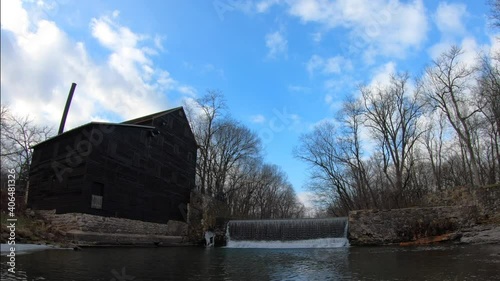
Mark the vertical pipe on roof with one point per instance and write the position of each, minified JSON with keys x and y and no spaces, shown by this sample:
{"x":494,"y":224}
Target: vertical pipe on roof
{"x":66,"y":108}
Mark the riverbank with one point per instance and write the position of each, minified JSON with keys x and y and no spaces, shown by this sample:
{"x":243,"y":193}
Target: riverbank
{"x":34,"y":231}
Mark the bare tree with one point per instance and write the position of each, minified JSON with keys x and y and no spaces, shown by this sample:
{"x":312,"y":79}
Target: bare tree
{"x":351,"y":117}
{"x":495,"y":12}
{"x":262,"y":191}
{"x":203,"y":115}
{"x":459,"y":144}
{"x":433,"y":141}
{"x":230,"y":165}
{"x":488,"y":91}
{"x":449,"y":90}
{"x":232,"y":142}
{"x":18,"y":136}
{"x":392,"y":114}
{"x":322,"y":151}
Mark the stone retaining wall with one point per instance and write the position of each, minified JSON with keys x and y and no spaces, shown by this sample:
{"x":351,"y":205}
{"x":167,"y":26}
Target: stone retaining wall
{"x":381,"y":227}
{"x":97,"y":224}
{"x":81,"y":238}
{"x":486,"y":198}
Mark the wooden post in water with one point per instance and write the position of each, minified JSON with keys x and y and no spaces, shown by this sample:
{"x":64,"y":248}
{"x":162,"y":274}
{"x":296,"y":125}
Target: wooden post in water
{"x":66,"y":108}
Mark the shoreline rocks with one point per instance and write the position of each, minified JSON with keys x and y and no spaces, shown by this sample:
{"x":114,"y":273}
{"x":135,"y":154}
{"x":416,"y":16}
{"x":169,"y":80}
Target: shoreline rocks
{"x":481,"y":234}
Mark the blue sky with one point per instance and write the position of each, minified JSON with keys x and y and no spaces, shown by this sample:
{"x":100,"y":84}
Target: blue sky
{"x":283,"y":65}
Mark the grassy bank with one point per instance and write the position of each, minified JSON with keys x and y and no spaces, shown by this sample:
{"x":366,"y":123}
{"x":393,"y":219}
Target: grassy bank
{"x":32,"y":230}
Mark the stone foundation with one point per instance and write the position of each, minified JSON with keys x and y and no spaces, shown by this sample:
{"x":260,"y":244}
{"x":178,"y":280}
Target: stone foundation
{"x":106,"y":239}
{"x":383,"y":227}
{"x":97,"y":230}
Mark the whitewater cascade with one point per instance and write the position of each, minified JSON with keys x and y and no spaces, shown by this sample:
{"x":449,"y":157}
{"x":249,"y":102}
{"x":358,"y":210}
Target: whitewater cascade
{"x":287,"y":233}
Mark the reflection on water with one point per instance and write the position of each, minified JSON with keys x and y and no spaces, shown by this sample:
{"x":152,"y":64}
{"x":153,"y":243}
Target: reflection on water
{"x":377,"y":263}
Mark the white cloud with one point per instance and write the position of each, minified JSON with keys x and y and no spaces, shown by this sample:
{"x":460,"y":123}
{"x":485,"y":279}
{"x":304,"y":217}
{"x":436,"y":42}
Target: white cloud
{"x":382,"y":75}
{"x":158,"y":39}
{"x":449,"y":18}
{"x":314,"y":63}
{"x":387,"y":27}
{"x":332,"y":65}
{"x":277,"y":44}
{"x":471,"y":50}
{"x":495,"y":46}
{"x":437,"y":49}
{"x":40,"y":61}
{"x":264,"y":6}
{"x":259,"y":119}
{"x":308,"y":198}
{"x":337,"y":64}
{"x":469,"y":46}
{"x":187,"y":90}
{"x":14,"y":17}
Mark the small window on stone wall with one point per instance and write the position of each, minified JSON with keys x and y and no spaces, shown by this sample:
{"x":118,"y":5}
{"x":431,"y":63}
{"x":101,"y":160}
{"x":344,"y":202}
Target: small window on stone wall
{"x":97,"y":194}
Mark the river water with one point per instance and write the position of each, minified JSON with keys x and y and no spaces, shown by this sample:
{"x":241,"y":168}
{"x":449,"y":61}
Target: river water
{"x":464,"y":262}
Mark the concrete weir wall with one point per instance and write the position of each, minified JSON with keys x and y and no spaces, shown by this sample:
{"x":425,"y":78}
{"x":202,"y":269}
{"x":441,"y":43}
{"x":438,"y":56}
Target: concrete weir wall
{"x":95,"y":230}
{"x":382,"y":227}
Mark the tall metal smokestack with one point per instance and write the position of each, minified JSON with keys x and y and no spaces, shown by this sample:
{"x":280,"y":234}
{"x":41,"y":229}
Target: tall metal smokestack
{"x":66,"y":108}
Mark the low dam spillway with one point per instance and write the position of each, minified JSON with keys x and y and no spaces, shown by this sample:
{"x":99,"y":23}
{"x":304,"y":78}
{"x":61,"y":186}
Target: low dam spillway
{"x":287,"y":233}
